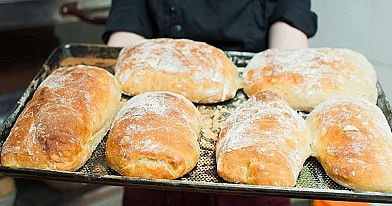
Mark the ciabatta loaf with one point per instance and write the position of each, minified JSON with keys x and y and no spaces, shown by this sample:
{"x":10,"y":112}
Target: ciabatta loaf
{"x":264,"y":142}
{"x":353,"y":142}
{"x":196,"y":70}
{"x":306,"y":77}
{"x":155,"y":135}
{"x":68,"y":115}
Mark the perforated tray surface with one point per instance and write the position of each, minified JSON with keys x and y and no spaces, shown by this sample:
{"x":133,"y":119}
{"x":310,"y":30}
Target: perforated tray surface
{"x":313,"y":183}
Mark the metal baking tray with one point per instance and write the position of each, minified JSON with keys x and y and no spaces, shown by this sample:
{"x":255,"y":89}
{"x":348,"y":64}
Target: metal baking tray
{"x":313,"y":183}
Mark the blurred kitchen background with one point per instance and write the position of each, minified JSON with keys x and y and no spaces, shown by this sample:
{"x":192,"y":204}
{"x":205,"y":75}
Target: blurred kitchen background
{"x":31,"y":29}
{"x":361,"y":25}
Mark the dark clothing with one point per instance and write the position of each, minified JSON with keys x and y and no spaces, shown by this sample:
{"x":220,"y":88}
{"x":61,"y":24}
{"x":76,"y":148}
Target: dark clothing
{"x":236,"y":25}
{"x":240,"y":25}
{"x":145,"y":197}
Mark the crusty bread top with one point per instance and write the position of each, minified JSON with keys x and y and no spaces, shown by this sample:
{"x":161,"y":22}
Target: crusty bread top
{"x":179,"y":56}
{"x":66,"y":118}
{"x":155,"y":135}
{"x":262,"y":114}
{"x":353,"y":142}
{"x":306,"y":77}
{"x":263,"y":142}
{"x":160,"y":104}
{"x":199,"y":71}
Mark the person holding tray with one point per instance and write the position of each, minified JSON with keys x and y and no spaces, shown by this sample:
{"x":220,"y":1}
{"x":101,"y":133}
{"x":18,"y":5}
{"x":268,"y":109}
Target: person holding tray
{"x":234,"y":25}
{"x":231,"y":25}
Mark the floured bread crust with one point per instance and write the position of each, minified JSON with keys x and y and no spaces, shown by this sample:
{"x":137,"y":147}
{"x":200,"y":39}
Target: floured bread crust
{"x":155,"y":135}
{"x":306,"y":77}
{"x":68,"y":115}
{"x":196,"y":70}
{"x":264,"y":142}
{"x":353,"y":142}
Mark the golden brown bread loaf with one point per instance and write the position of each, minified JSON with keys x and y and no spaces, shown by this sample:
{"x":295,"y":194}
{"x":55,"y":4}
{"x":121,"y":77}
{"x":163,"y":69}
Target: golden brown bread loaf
{"x":264,"y":142}
{"x":198,"y":71}
{"x":306,"y":77}
{"x":68,"y":115}
{"x":353,"y":142}
{"x":155,"y":135}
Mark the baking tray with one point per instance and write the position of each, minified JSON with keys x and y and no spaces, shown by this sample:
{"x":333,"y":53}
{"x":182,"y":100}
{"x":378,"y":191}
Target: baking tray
{"x":313,"y":183}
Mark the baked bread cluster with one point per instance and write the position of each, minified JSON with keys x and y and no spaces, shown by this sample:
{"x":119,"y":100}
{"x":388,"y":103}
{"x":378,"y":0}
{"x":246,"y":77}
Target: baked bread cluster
{"x":155,"y":133}
{"x":350,"y":135}
{"x":265,"y":142}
